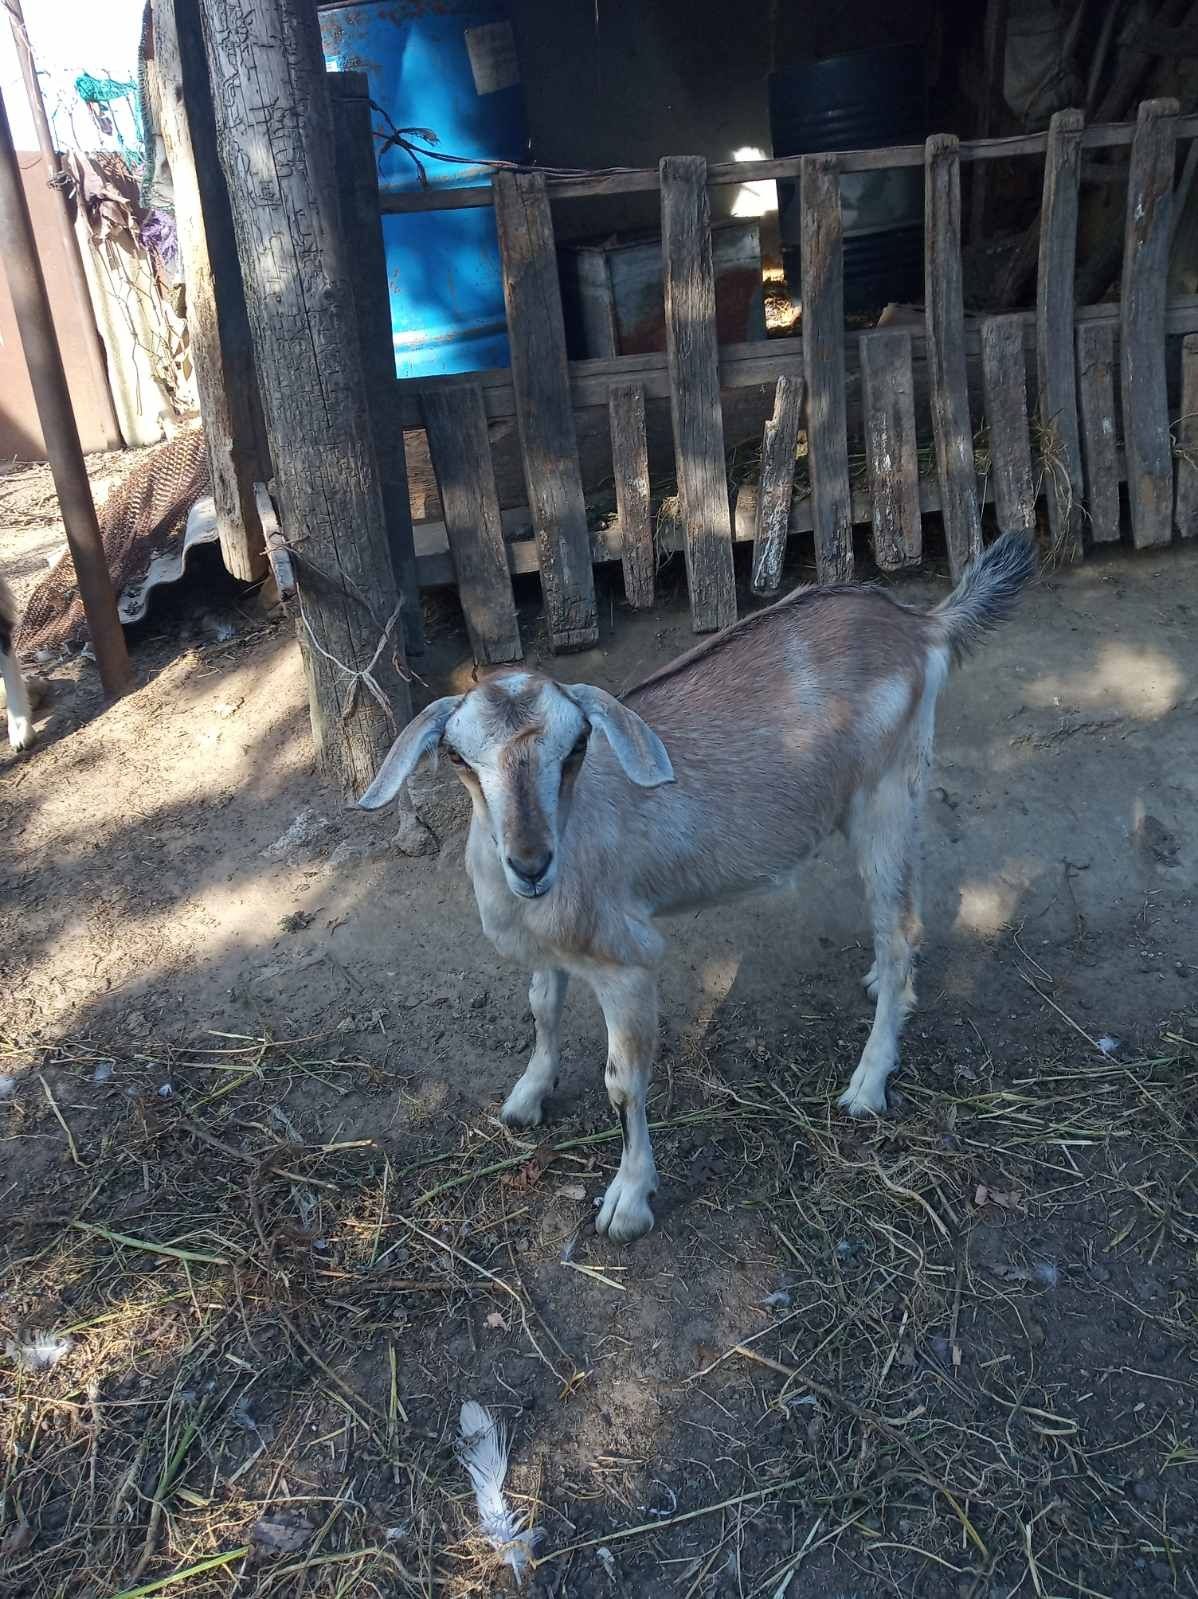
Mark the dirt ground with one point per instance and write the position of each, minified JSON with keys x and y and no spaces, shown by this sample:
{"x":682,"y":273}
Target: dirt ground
{"x":253,"y":1174}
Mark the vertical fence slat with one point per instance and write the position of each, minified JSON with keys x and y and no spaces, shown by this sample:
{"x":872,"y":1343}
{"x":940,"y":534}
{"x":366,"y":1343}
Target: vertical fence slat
{"x":358,"y":183}
{"x":945,"y":309}
{"x":1142,"y":324}
{"x":1060,"y":445}
{"x":777,"y":485}
{"x":544,"y":411}
{"x":1004,"y":386}
{"x":693,"y":352}
{"x":821,"y":240}
{"x":1185,"y":510}
{"x":1096,"y":402}
{"x":891,"y":449}
{"x":630,"y":468}
{"x":460,"y":448}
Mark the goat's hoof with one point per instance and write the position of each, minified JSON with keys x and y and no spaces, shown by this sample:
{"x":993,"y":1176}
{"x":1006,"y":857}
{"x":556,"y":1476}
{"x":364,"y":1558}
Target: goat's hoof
{"x":863,"y":1100}
{"x":20,"y":732}
{"x":625,"y":1214}
{"x":523,"y":1108}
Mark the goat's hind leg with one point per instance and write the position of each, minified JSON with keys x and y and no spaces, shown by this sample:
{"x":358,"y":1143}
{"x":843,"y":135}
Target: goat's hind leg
{"x":629,"y":1001}
{"x":20,"y":710}
{"x":885,"y":833}
{"x":524,"y":1106}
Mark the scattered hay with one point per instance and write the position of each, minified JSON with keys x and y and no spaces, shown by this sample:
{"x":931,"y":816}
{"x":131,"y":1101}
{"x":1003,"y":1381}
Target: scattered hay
{"x":248,"y":1406}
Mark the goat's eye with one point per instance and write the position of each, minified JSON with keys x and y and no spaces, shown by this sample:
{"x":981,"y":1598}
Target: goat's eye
{"x":454,"y":758}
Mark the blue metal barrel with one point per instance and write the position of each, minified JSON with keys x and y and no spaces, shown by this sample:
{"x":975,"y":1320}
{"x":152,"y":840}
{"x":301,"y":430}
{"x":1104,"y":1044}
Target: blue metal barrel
{"x":856,"y":102}
{"x":451,"y":68}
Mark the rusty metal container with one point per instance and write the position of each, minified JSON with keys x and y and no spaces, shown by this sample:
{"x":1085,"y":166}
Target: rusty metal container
{"x":613,"y":292}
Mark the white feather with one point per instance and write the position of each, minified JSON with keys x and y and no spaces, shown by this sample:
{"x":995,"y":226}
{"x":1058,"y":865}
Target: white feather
{"x":39,"y":1350}
{"x":482,"y":1449}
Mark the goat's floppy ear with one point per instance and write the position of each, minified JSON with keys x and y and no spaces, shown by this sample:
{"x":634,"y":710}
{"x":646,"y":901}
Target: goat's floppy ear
{"x":636,"y":746}
{"x":422,"y":734}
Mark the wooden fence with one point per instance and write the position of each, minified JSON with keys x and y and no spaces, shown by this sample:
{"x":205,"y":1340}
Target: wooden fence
{"x":1051,"y":423}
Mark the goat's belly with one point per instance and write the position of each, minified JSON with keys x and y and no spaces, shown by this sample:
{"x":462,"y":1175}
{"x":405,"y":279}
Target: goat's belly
{"x":688,"y":893}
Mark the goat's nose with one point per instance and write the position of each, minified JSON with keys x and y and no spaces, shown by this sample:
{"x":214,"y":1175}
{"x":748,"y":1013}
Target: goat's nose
{"x":531,"y":868}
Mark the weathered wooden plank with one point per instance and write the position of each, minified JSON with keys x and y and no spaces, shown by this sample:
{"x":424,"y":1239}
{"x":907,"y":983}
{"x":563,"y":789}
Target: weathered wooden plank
{"x":218,"y":331}
{"x":358,"y":182}
{"x":274,"y":133}
{"x":951,"y":426}
{"x":821,"y":247}
{"x":692,"y":349}
{"x":630,"y":468}
{"x":891,"y":449}
{"x":1096,"y":402}
{"x":777,"y":485}
{"x":1185,"y":507}
{"x":541,"y":384}
{"x":1060,"y":443}
{"x":461,"y":452}
{"x":742,"y":366}
{"x":1142,"y":320}
{"x":1004,"y":384}
{"x":644,"y":180}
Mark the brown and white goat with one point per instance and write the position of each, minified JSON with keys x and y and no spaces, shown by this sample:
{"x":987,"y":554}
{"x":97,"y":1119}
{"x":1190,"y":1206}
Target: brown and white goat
{"x":712,"y":779}
{"x":16,"y":690}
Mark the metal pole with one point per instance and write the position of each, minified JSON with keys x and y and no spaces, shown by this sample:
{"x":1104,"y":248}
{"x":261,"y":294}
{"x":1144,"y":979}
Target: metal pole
{"x":113,"y":438}
{"x":44,"y":360}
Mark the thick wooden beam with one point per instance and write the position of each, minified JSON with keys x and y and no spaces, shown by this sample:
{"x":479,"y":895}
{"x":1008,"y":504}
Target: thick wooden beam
{"x":777,"y":485}
{"x":1060,"y":443}
{"x":1185,"y":509}
{"x":1099,"y":426}
{"x":891,"y":448}
{"x":692,"y":347}
{"x":951,"y":426}
{"x":275,"y":137}
{"x":217,"y":326}
{"x":541,"y":383}
{"x":461,"y":451}
{"x":1142,"y":315}
{"x":645,"y":180}
{"x":630,"y":469}
{"x":358,"y":183}
{"x":1004,"y":384}
{"x":821,"y":248}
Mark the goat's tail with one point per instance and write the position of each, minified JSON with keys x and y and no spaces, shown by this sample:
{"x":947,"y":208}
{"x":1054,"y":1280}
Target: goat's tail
{"x":988,"y":592}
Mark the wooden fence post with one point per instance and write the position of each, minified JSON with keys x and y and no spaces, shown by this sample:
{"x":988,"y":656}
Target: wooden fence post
{"x":1060,"y":446}
{"x":692,"y":346}
{"x":1142,"y":324}
{"x":891,"y":448}
{"x":1004,"y":386}
{"x":951,"y":426}
{"x":1185,"y":509}
{"x":358,"y":182}
{"x":630,"y":468}
{"x":460,"y":448}
{"x":217,"y":326}
{"x":544,"y":411}
{"x":275,"y":137}
{"x":776,"y":488}
{"x":821,"y":243}
{"x":1096,"y":399}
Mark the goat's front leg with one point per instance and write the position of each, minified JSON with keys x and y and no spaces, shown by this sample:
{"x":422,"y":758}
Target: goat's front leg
{"x":524,"y":1106}
{"x":628,"y":998}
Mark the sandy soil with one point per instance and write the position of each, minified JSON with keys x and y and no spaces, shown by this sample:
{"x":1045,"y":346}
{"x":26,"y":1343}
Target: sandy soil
{"x":971,"y":1328}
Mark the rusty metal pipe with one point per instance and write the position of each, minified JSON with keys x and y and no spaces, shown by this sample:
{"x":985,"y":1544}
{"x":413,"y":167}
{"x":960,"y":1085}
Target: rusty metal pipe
{"x":96,"y":360}
{"x":48,"y":380}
